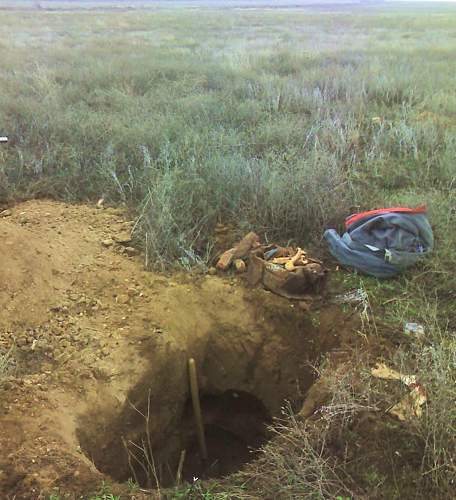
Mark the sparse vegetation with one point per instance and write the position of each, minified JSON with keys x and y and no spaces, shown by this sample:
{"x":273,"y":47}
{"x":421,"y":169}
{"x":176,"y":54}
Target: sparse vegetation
{"x":277,"y":121}
{"x":296,"y":464}
{"x":6,"y":362}
{"x":434,"y":363}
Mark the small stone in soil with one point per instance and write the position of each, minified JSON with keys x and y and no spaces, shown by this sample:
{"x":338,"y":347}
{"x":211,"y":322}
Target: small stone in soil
{"x":131,"y":251}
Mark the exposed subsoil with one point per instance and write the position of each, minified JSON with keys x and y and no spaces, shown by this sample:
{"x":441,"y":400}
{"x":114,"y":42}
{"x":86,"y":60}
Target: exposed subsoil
{"x":99,"y":351}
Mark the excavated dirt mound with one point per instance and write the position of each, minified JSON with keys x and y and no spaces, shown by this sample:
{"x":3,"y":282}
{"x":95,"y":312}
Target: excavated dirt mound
{"x":94,"y":381}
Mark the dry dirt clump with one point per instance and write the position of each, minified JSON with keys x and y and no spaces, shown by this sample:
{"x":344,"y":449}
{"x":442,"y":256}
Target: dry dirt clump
{"x":89,"y":338}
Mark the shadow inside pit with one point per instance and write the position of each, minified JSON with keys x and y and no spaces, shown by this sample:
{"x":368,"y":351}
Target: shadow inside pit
{"x":145,"y":437}
{"x":236,"y":426}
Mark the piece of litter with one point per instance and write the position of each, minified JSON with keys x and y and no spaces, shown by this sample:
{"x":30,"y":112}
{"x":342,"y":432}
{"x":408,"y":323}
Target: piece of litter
{"x":382,"y":371}
{"x":410,"y":405}
{"x":414,"y":329}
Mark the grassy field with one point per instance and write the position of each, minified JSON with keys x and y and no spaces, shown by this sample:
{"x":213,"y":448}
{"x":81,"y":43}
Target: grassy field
{"x":280,"y":121}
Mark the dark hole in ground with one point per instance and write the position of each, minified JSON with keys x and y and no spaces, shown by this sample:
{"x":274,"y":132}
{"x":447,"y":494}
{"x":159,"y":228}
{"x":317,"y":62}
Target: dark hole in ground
{"x":245,"y":376}
{"x":235,"y":428}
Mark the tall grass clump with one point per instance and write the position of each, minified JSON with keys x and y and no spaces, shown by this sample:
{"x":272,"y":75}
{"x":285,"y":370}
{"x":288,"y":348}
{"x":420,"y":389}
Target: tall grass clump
{"x":297,"y":463}
{"x":279,"y":200}
{"x":6,"y":362}
{"x":304,"y":458}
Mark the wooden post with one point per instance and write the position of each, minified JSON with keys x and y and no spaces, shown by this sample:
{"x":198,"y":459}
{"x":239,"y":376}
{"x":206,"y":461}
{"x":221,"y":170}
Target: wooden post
{"x":180,"y":467}
{"x":197,"y":407}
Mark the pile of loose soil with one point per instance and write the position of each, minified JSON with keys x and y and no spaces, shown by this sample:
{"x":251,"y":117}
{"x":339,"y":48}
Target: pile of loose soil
{"x":95,"y":341}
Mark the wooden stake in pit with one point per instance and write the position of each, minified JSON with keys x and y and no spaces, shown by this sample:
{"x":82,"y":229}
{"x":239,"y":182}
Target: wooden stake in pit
{"x":197,"y":407}
{"x":179,"y":468}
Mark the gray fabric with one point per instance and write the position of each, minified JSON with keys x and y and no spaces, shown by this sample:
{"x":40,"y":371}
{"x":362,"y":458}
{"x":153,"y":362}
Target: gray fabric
{"x":401,"y":239}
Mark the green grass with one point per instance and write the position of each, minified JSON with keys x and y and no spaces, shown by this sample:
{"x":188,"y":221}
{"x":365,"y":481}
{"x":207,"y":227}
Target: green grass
{"x":276,"y":121}
{"x":251,"y":117}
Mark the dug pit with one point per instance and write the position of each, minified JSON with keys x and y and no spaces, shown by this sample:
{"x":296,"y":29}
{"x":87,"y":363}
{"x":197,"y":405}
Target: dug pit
{"x":245,"y":377}
{"x":100,"y":359}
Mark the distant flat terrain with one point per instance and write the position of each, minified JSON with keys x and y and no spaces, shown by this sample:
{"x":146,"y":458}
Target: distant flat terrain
{"x":156,"y":4}
{"x":319,"y":5}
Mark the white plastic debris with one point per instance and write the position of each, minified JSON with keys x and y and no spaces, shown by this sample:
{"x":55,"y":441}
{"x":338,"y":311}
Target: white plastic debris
{"x":414,"y":330}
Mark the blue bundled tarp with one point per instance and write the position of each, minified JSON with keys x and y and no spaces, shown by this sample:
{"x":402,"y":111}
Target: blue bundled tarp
{"x":383,"y":242}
